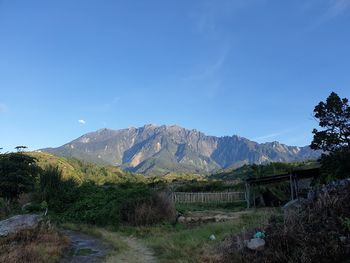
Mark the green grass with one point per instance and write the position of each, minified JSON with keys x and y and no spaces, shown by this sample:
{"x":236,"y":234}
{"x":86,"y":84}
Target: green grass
{"x":189,"y":244}
{"x":177,"y":243}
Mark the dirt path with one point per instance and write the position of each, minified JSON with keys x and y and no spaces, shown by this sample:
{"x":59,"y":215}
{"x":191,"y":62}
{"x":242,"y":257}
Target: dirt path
{"x":84,"y":248}
{"x":136,"y":252}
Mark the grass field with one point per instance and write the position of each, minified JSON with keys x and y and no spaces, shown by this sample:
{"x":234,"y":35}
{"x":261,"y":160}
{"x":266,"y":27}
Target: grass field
{"x":172,"y":243}
{"x":187,"y":244}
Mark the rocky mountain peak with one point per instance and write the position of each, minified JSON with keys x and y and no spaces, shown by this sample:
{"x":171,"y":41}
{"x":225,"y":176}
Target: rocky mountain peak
{"x":154,"y":149}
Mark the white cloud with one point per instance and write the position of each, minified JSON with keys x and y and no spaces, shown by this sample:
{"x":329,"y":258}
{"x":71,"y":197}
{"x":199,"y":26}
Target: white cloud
{"x":267,"y":136}
{"x":272,"y":136}
{"x":82,"y":122}
{"x":209,"y":70}
{"x":206,"y":77}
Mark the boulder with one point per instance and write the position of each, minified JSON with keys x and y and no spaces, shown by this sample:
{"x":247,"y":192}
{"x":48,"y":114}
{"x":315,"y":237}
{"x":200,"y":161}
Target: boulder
{"x":181,"y":219}
{"x":256,"y":244}
{"x":18,"y":223}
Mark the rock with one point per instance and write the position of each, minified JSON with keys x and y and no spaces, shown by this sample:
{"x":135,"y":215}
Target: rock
{"x":212,"y":237}
{"x":256,"y":244}
{"x":19,"y":222}
{"x":181,"y":219}
{"x":188,"y":219}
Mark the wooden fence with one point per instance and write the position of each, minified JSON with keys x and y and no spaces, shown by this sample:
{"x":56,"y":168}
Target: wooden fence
{"x":200,"y":197}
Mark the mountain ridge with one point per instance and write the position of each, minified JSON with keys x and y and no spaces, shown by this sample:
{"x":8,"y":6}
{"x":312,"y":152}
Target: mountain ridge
{"x":153,"y":149}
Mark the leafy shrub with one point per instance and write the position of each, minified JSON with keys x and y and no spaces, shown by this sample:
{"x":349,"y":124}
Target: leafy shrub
{"x":89,"y":203}
{"x":34,"y":207}
{"x":335,"y":165}
{"x":58,"y":193}
{"x":135,"y":204}
{"x":18,"y":173}
{"x":155,"y":208}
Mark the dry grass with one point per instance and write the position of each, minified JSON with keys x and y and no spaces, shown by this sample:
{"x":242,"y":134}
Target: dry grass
{"x":42,"y":245}
{"x":312,"y":234}
{"x":158,"y":208}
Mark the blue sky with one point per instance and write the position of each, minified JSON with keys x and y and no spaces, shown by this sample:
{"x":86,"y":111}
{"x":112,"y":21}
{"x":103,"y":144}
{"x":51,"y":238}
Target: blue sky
{"x":252,"y":68}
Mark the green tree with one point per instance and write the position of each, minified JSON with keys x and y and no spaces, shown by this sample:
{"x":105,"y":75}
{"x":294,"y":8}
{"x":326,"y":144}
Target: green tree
{"x":333,"y":139}
{"x":334,"y":119}
{"x":21,"y":148}
{"x":18,"y":174}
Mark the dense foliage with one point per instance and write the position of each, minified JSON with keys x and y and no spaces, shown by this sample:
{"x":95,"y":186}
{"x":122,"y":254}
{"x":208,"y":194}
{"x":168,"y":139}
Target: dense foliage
{"x":133,"y":204}
{"x":18,"y":173}
{"x":55,"y":191}
{"x":334,"y":119}
{"x":334,"y":137}
{"x":90,"y":203}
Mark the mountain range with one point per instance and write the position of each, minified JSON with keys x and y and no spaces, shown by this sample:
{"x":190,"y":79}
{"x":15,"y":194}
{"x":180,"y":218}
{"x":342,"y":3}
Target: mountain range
{"x":158,"y":150}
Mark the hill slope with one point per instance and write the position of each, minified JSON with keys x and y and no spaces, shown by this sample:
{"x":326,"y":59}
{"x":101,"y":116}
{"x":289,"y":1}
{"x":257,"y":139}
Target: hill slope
{"x":82,"y":171}
{"x":158,"y":150}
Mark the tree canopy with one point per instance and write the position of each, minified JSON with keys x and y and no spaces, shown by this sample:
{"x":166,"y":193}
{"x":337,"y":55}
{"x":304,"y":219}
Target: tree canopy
{"x":17,"y":174}
{"x":334,"y":137}
{"x":334,"y":119}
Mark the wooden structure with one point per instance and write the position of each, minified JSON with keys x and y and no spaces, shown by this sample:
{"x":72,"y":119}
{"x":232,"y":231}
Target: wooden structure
{"x":208,"y":197}
{"x":293,"y":179}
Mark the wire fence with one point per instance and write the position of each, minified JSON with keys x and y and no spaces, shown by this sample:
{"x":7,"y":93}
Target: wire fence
{"x":202,"y":197}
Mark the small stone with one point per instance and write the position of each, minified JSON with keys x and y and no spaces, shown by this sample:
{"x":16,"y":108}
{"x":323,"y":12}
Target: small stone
{"x":181,"y":219}
{"x":256,"y":244}
{"x":212,"y":237}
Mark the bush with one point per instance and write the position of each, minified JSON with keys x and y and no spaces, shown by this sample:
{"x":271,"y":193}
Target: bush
{"x":156,"y":208}
{"x":335,"y":165}
{"x":312,"y":234}
{"x":134,"y":204}
{"x":58,"y":193}
{"x":18,"y":174}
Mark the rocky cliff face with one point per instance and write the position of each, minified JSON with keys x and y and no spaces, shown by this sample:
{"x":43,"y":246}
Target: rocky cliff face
{"x":157,"y":150}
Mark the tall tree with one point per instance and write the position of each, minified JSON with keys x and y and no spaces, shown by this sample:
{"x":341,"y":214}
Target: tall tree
{"x":21,"y":148}
{"x":333,"y":139}
{"x":18,"y":173}
{"x":334,"y":119}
